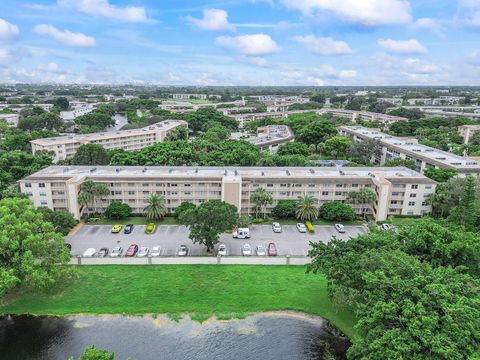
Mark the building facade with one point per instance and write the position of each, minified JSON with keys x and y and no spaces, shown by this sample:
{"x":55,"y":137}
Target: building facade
{"x":467,"y":131}
{"x":400,"y":191}
{"x":409,"y":149}
{"x":65,"y":147}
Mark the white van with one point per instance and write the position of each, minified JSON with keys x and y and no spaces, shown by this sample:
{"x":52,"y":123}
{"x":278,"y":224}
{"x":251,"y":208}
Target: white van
{"x":242,"y":233}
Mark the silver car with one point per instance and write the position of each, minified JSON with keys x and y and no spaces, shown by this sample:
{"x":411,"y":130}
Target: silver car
{"x":182,"y":250}
{"x":340,"y":228}
{"x":260,"y":250}
{"x":156,"y":251}
{"x":301,"y":227}
{"x":222,"y":250}
{"x":116,"y":251}
{"x":246,"y":250}
{"x":143,"y":251}
{"x":276,"y":227}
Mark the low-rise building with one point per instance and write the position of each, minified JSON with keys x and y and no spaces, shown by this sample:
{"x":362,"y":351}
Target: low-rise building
{"x":467,"y":131}
{"x":271,"y":137}
{"x":190,"y":96}
{"x":65,"y":147}
{"x":400,"y":191}
{"x":10,"y":119}
{"x":409,"y":149}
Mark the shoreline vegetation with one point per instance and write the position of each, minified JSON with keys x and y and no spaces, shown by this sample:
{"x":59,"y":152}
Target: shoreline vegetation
{"x":200,"y":291}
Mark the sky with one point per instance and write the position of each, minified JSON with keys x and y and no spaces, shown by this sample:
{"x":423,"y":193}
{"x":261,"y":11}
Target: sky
{"x":241,"y":42}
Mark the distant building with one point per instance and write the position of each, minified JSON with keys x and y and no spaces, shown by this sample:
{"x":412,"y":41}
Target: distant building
{"x":400,"y":191}
{"x":65,"y":147}
{"x":467,"y":131}
{"x":10,"y":119}
{"x":409,"y":149}
{"x":190,"y":96}
{"x":271,"y":137}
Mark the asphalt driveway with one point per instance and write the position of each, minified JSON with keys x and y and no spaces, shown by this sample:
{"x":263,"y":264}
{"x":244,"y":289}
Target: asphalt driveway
{"x":170,"y":237}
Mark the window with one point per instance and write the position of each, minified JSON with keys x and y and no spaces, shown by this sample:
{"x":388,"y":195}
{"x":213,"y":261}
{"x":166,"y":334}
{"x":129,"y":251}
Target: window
{"x":43,"y":203}
{"x":311,"y":185}
{"x":337,"y":193}
{"x":411,"y":203}
{"x":324,"y":193}
{"x":283,"y":185}
{"x":131,"y":193}
{"x":354,"y":185}
{"x":145,"y":185}
{"x":29,"y":194}
{"x":42,"y":185}
{"x":428,"y":186}
{"x":424,"y":203}
{"x":413,"y":195}
{"x":28,"y":185}
{"x":146,"y":192}
{"x":415,"y":186}
{"x":394,"y":202}
{"x":269,"y":185}
{"x":187,"y":185}
{"x":117,"y":193}
{"x":339,"y":185}
{"x":395,"y":193}
{"x":43,"y":194}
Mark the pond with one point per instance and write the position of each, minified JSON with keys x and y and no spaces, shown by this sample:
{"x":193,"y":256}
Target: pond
{"x":272,"y":335}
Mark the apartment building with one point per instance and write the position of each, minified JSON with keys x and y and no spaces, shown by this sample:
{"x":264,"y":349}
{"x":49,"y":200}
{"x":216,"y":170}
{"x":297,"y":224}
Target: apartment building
{"x":467,"y":131}
{"x":10,"y":119}
{"x":400,"y":191}
{"x":65,"y":147}
{"x":271,"y":137}
{"x":78,"y":109}
{"x":409,"y":149}
{"x":190,"y":96}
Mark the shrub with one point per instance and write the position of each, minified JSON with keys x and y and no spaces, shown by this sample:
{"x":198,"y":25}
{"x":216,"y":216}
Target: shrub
{"x":117,"y":210}
{"x":285,"y":209}
{"x":337,"y":211}
{"x":184,"y":206}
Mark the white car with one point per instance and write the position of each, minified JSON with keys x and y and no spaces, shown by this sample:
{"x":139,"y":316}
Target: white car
{"x":276,"y":227}
{"x":143,"y":251}
{"x":222,"y":250}
{"x":156,"y":251}
{"x":260,"y":250}
{"x":246,"y":250}
{"x":116,"y":251}
{"x":340,"y":228}
{"x":386,"y":227}
{"x":182,"y":250}
{"x":89,"y":252}
{"x":301,"y":227}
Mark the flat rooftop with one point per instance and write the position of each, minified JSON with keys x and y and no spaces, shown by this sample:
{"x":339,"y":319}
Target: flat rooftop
{"x":273,"y":134}
{"x":413,"y":147}
{"x":162,"y":125}
{"x":142,"y":172}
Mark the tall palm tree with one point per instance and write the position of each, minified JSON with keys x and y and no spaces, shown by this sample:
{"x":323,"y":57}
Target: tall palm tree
{"x":155,"y":209}
{"x":261,"y":198}
{"x":100,"y":191}
{"x":307,"y":209}
{"x":364,"y":196}
{"x":84,"y":199}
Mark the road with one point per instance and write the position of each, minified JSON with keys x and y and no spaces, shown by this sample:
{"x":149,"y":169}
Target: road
{"x":170,"y":237}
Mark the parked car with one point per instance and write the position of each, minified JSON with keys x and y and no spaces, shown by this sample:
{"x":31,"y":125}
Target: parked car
{"x":182,"y":250}
{"x":69,"y":246}
{"x":222,"y":250}
{"x":310,"y":227}
{"x":272,"y":249}
{"x":242,"y":233}
{"x":132,"y":250}
{"x":89,"y":252}
{"x":276,"y":227}
{"x":386,"y":227}
{"x":150,"y":228}
{"x":260,"y":250}
{"x":246,"y":250}
{"x":116,"y":228}
{"x":128,"y":229}
{"x":340,"y":228}
{"x":156,"y":251}
{"x":102,"y":252}
{"x":116,"y":251}
{"x":143,"y":251}
{"x":301,"y":227}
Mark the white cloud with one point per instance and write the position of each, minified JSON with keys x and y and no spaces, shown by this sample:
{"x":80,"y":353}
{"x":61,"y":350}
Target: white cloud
{"x":255,"y":60}
{"x":365,"y":12}
{"x":213,"y":19}
{"x":429,"y":24}
{"x":5,"y":56}
{"x":329,"y":72}
{"x":411,"y":46}
{"x":65,"y":37}
{"x":324,"y":46}
{"x":9,"y":56}
{"x":51,"y":67}
{"x":255,"y":44}
{"x":417,"y":66}
{"x":8,"y":30}
{"x":105,"y":9}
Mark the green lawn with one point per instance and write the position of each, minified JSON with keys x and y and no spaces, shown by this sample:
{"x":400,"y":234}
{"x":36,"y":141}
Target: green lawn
{"x":136,"y":220}
{"x":201,"y":290}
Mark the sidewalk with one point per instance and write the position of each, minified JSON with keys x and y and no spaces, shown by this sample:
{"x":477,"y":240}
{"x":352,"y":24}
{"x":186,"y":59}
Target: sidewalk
{"x":76,"y":228}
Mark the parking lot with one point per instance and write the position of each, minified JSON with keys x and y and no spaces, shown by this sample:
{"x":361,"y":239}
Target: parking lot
{"x":170,"y":237}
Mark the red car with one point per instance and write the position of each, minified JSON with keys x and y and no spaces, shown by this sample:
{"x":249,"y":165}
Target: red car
{"x":132,"y":250}
{"x":272,"y":249}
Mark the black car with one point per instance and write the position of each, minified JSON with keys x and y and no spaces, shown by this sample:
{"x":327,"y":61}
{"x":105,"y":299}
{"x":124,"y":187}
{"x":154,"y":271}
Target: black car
{"x":69,"y":246}
{"x":128,"y":229}
{"x":102,"y":252}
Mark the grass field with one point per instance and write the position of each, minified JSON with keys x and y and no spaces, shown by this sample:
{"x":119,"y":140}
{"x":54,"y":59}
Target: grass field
{"x":201,"y":290}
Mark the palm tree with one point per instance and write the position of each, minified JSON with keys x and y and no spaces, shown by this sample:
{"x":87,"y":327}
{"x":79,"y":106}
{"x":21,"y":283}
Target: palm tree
{"x":155,"y":209}
{"x":100,"y":191}
{"x":84,"y":199}
{"x":261,"y":198}
{"x":307,"y":208}
{"x":364,"y":196}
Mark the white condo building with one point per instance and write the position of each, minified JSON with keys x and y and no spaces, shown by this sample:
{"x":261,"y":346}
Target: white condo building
{"x":65,"y":147}
{"x":400,"y":191}
{"x":409,"y":149}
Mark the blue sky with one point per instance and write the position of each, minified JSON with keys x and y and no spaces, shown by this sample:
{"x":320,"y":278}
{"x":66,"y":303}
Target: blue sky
{"x":241,"y":42}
